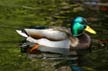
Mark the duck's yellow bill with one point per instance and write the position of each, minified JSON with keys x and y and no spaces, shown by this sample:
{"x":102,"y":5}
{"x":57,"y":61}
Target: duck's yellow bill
{"x":90,"y":30}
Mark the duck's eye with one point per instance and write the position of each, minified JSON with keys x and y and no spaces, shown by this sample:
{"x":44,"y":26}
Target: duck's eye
{"x":84,"y":26}
{"x":84,"y":22}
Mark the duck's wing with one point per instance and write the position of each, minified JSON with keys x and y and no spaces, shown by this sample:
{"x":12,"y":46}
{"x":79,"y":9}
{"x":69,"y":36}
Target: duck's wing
{"x":55,"y":34}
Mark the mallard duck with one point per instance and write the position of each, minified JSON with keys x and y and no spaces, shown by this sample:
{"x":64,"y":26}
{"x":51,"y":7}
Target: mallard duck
{"x":59,"y":39}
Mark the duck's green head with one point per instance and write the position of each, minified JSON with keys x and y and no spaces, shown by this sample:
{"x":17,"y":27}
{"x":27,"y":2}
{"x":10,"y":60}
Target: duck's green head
{"x":78,"y":25}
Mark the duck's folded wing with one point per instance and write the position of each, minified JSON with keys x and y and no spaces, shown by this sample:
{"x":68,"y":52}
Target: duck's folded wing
{"x":50,"y":34}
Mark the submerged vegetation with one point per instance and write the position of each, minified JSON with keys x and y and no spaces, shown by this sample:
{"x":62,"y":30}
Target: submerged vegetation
{"x":24,"y":13}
